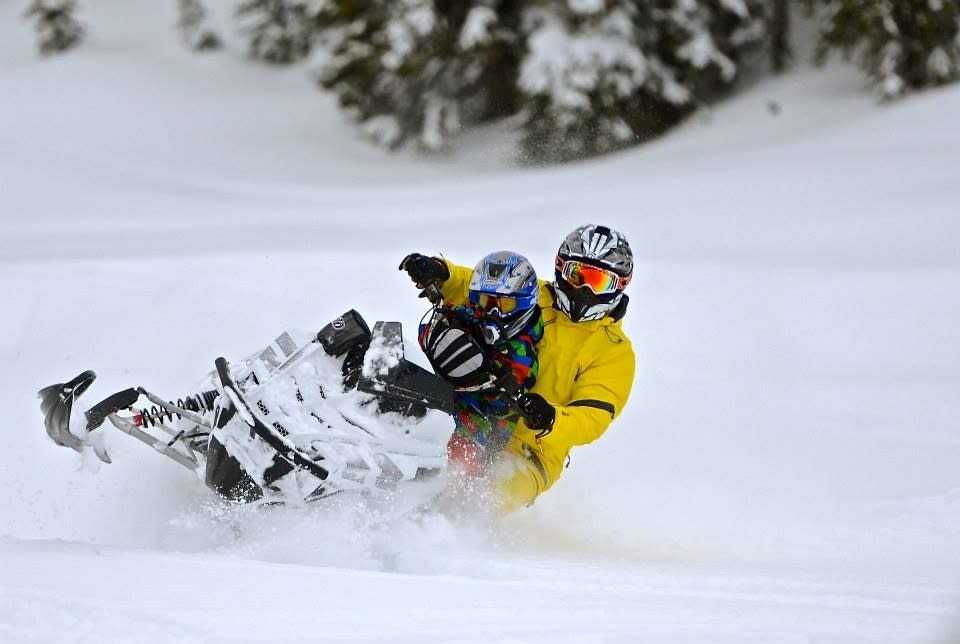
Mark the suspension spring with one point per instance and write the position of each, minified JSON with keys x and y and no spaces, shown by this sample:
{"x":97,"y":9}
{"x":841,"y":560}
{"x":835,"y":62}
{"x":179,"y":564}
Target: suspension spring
{"x":199,"y":403}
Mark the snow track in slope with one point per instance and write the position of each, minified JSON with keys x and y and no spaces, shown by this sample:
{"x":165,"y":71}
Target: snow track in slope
{"x":220,"y":598}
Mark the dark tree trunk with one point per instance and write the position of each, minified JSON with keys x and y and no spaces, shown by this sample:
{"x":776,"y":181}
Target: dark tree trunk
{"x":780,"y":53}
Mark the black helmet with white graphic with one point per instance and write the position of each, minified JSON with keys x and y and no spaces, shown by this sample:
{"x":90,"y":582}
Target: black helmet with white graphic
{"x":593,"y":266}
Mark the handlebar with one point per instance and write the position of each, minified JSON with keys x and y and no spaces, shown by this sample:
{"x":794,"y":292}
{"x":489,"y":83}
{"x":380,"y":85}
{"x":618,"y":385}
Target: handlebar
{"x":432,"y":293}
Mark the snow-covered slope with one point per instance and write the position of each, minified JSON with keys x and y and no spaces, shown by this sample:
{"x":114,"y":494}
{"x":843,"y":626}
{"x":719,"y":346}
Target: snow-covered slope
{"x":786,"y":470}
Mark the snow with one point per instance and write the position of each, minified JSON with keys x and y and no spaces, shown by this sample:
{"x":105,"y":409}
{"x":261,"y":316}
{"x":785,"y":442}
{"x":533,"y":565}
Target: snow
{"x":736,"y":7}
{"x":939,"y":64}
{"x":786,"y":470}
{"x":414,"y":20}
{"x":441,"y":118}
{"x":892,"y":83}
{"x":700,"y":51}
{"x":383,"y":130}
{"x":382,"y":356}
{"x":585,"y":7}
{"x":476,"y":28}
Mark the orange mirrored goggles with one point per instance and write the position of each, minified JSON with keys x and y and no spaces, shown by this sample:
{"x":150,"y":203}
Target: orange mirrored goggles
{"x":487,"y":301}
{"x":599,"y":280}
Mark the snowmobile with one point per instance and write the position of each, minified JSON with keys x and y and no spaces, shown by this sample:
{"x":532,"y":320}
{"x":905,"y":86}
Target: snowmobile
{"x":310,"y":416}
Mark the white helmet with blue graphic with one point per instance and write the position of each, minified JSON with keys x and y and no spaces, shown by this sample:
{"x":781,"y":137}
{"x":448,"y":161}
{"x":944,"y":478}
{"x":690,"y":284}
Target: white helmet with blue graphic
{"x":504,"y":285}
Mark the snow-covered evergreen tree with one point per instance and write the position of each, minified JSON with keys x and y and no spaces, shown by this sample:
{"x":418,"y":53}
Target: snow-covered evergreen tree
{"x":280,"y":31}
{"x":589,"y":75}
{"x":488,"y":59}
{"x":708,"y":41}
{"x":603,"y":74}
{"x":194,"y":27}
{"x":55,"y":24}
{"x":901,"y":44}
{"x":590,"y":83}
{"x":422,"y":69}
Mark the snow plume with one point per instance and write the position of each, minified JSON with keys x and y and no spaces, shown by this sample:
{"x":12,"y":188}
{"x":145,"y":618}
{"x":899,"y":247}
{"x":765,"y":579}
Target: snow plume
{"x":385,"y":533}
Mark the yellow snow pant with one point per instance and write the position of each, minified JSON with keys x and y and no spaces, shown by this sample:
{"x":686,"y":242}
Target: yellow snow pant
{"x":520,"y":474}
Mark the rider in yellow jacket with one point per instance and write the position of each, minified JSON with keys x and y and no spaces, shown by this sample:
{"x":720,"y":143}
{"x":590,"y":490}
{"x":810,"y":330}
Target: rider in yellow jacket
{"x":587,"y":362}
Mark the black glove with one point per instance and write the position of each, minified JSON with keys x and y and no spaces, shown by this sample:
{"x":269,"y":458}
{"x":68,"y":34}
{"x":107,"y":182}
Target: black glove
{"x":538,"y":413}
{"x":425,"y":270}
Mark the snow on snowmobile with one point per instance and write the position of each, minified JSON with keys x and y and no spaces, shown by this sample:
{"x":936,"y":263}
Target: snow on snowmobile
{"x":308,"y":417}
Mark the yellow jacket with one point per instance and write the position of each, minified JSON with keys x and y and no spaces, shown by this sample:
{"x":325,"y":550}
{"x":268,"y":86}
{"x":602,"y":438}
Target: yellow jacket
{"x":586,"y":373}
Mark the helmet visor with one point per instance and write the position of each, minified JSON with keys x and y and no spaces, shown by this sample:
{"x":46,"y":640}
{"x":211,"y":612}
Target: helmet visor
{"x":504,"y":304}
{"x":599,"y":280}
